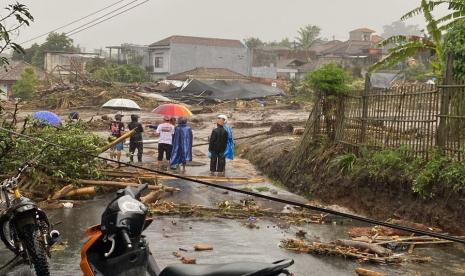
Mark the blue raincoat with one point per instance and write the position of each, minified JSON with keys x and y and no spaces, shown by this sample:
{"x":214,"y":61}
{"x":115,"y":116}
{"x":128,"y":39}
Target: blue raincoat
{"x":182,"y":145}
{"x":229,"y":152}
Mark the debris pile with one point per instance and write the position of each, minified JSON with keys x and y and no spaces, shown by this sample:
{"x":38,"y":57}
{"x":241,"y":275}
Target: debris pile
{"x":246,"y":210}
{"x":84,"y":96}
{"x":362,"y":252}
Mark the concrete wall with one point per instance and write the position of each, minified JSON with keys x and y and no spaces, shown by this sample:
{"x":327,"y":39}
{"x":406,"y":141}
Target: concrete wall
{"x":264,"y":72}
{"x":184,"y":57}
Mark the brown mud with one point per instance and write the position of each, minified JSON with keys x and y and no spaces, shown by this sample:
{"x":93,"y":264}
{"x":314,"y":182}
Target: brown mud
{"x":317,"y":181}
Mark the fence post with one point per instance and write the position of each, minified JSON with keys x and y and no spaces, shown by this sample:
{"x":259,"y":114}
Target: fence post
{"x":365,"y":109}
{"x":444,"y":103}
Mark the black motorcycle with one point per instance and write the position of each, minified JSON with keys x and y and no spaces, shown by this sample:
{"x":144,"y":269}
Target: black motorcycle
{"x":24,"y":228}
{"x":117,"y":247}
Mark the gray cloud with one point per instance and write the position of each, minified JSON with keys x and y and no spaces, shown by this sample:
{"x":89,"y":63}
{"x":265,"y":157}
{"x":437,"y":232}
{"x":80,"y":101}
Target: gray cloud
{"x":267,"y":19}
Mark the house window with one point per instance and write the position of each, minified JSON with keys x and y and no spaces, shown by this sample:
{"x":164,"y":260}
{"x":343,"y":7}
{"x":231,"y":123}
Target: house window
{"x":158,"y":63}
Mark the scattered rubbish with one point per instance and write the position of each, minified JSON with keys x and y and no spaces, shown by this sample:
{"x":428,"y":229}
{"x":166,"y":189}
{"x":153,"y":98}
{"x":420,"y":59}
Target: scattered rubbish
{"x":301,"y":234}
{"x":365,"y":272}
{"x":187,"y":260}
{"x":68,"y":205}
{"x":177,"y":254}
{"x":59,"y":246}
{"x":235,"y":210}
{"x":342,"y":250}
{"x":203,"y":247}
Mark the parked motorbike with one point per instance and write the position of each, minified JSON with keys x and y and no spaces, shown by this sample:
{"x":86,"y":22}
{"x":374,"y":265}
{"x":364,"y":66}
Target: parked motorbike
{"x":25,"y":228}
{"x":118,"y":247}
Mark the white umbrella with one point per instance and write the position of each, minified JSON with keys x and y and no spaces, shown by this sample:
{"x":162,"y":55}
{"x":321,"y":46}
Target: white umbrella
{"x":121,"y":104}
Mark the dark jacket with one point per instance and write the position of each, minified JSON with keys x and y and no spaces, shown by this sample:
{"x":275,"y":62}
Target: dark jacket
{"x":218,"y":140}
{"x":137,"y":136}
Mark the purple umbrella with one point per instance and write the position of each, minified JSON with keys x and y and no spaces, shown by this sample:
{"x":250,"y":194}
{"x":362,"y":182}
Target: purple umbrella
{"x":47,"y":117}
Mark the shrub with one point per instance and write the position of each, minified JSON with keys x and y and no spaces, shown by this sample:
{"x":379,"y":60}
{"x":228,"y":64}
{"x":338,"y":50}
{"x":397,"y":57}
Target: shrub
{"x":26,"y":86}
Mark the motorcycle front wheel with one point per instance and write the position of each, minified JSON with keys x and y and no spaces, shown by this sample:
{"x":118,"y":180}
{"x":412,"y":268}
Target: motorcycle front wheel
{"x":34,"y":244}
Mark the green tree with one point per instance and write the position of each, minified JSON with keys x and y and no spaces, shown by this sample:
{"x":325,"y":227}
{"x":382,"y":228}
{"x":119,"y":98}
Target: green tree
{"x":330,"y":84}
{"x":26,"y":86}
{"x":253,"y":42}
{"x":454,"y":42}
{"x":400,"y":28}
{"x":17,"y":15}
{"x":28,"y":53}
{"x":411,"y":46}
{"x":307,"y":36}
{"x":120,"y":73}
{"x":330,"y":79}
{"x":54,"y":42}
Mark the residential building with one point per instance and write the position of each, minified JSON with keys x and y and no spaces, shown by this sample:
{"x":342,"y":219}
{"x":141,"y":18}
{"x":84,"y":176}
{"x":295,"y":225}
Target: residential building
{"x":128,"y":53}
{"x":176,"y":54}
{"x":12,"y":73}
{"x":67,"y":63}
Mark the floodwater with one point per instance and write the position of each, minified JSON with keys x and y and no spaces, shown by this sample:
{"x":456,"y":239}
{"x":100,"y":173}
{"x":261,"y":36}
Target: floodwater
{"x":231,"y":240}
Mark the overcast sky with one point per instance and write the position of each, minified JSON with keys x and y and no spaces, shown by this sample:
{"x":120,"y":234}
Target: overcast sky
{"x":267,"y":19}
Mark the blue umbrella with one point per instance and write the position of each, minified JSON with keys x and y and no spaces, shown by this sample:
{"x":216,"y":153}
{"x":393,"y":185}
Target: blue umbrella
{"x":47,"y":117}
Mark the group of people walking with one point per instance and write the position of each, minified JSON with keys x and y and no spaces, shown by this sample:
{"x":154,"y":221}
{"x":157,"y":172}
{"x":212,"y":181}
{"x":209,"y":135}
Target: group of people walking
{"x":175,"y":142}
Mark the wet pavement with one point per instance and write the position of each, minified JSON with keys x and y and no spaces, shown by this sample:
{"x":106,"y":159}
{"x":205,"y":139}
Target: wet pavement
{"x":232,"y":241}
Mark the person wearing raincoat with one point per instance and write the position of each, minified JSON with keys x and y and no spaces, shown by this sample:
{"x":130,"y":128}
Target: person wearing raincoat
{"x":182,"y":145}
{"x":221,"y":146}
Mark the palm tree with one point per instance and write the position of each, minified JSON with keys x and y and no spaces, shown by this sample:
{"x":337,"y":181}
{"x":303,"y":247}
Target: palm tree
{"x":307,"y":35}
{"x":410,"y":46}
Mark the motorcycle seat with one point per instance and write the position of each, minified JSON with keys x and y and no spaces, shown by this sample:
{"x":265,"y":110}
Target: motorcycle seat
{"x":230,"y":269}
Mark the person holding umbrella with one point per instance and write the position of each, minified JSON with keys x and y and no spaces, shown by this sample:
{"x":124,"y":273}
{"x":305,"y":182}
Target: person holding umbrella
{"x":136,"y":141}
{"x":182,"y":145}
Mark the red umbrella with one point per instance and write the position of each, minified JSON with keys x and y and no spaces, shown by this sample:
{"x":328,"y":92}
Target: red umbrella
{"x":173,"y":110}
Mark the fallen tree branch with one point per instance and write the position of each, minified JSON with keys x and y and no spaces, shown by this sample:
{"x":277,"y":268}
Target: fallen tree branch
{"x":117,"y":184}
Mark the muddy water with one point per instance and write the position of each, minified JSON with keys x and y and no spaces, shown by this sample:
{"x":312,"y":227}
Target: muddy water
{"x":231,"y":240}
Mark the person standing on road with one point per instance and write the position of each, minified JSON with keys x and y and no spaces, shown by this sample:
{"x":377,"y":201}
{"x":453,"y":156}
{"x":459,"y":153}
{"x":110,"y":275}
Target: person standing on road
{"x":165,"y":143}
{"x":217,"y":147}
{"x":116,"y":129}
{"x":229,"y":152}
{"x":182,"y":145}
{"x":136,"y":141}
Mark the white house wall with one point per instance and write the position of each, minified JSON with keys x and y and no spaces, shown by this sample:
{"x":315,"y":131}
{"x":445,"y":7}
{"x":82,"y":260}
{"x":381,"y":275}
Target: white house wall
{"x":184,"y":57}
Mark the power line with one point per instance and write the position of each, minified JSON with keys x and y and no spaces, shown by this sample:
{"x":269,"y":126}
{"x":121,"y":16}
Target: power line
{"x":106,"y":19}
{"x":102,"y":16}
{"x":275,"y":199}
{"x":75,"y":21}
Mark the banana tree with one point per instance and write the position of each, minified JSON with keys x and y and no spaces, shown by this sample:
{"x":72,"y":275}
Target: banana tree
{"x":456,"y":10}
{"x":411,"y":46}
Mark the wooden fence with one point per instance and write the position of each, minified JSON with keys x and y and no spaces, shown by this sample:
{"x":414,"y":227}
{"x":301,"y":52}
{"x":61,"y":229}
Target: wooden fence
{"x":421,"y":117}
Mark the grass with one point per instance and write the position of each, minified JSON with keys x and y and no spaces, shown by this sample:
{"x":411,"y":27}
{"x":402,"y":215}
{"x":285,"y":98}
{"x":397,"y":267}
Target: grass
{"x":262,"y":189}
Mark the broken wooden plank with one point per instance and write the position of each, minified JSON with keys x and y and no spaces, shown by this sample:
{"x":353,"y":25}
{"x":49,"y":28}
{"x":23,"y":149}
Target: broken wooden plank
{"x":117,"y":184}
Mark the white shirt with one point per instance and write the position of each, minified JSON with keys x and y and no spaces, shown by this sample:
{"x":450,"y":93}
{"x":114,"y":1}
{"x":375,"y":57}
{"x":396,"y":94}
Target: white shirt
{"x":166,"y":131}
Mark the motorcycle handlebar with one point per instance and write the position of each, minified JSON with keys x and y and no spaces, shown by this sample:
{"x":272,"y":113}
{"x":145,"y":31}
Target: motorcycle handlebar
{"x":138,"y":191}
{"x":126,"y":238}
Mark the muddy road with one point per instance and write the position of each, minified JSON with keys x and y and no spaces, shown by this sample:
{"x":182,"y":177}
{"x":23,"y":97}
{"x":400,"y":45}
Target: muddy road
{"x":231,"y":240}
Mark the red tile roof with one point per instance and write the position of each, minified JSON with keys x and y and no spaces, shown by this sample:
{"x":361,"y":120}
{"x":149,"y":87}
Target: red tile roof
{"x":178,"y":39}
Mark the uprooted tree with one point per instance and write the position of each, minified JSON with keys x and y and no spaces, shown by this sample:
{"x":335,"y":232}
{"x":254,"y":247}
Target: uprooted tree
{"x":74,"y":159}
{"x":329,"y":85}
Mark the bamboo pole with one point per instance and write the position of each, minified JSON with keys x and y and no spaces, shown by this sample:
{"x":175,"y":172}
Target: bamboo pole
{"x":117,"y":184}
{"x":119,"y":140}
